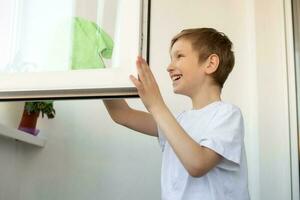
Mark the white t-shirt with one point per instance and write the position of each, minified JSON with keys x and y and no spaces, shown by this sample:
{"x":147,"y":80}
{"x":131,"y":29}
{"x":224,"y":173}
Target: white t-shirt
{"x":218,"y":126}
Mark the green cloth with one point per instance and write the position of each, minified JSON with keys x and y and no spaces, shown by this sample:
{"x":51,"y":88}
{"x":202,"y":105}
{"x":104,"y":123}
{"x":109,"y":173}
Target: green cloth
{"x":90,"y":45}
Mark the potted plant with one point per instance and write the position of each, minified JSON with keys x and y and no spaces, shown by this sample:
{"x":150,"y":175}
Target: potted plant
{"x":31,"y":113}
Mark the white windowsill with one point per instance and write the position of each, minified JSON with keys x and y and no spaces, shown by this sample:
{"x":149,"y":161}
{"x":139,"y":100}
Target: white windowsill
{"x":21,"y":136}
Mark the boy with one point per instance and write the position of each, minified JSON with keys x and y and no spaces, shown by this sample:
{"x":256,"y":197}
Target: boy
{"x":203,"y":148}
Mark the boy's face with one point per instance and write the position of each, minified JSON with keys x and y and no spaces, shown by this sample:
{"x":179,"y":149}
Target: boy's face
{"x":185,"y":70}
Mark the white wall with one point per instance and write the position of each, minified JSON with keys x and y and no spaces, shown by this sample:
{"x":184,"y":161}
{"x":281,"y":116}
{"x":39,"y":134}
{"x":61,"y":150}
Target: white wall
{"x":9,"y":173}
{"x":87,"y":156}
{"x":273,"y":103}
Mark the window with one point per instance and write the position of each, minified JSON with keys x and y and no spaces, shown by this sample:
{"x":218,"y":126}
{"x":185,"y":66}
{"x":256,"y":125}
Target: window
{"x":70,"y":49}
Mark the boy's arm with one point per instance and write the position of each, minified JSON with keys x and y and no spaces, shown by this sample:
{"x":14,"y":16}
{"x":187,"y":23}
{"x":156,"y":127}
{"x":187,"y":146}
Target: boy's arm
{"x":196,"y":159}
{"x":136,"y":120}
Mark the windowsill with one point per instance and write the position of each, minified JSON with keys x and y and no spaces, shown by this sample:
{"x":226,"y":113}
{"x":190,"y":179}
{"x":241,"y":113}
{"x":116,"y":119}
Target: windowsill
{"x":21,"y":136}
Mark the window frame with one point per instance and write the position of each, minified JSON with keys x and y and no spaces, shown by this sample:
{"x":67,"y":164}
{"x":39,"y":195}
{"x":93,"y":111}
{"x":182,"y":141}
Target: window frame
{"x":107,"y":92}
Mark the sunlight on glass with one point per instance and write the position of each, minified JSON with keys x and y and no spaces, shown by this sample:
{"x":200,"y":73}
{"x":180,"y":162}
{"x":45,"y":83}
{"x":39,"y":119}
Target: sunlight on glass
{"x":55,"y":35}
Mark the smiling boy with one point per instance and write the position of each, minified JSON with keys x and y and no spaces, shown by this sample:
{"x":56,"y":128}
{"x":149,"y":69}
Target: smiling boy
{"x":203,"y":147}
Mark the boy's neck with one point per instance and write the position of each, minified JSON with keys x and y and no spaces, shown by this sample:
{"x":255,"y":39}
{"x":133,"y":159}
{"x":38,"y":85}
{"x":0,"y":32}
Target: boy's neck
{"x":205,"y":96}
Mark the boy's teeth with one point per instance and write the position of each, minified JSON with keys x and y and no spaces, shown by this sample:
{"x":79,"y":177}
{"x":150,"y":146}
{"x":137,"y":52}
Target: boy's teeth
{"x":174,"y":78}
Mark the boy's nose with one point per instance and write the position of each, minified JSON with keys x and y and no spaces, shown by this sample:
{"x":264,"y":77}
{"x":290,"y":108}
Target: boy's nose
{"x":170,"y":68}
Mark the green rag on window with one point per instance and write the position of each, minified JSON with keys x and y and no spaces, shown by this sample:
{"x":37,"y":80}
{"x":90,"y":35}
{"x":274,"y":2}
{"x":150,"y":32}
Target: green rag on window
{"x":90,"y":45}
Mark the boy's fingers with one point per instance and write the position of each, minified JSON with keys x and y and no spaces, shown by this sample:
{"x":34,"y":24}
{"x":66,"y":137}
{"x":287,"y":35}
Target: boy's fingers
{"x":147,"y":73}
{"x":136,"y":82}
{"x":140,"y":71}
{"x":143,"y":71}
{"x":144,"y":65}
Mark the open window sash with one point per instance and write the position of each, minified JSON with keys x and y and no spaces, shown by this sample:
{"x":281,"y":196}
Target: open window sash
{"x":31,"y":71}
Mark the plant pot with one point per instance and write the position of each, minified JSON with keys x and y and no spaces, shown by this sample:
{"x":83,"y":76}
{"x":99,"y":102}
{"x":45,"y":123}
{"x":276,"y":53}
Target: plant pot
{"x":28,"y":122}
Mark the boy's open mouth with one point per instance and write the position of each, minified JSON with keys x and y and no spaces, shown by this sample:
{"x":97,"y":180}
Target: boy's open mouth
{"x":176,"y":77}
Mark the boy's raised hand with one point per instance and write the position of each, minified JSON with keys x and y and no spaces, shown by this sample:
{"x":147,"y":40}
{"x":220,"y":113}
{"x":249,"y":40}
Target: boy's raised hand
{"x":147,"y":87}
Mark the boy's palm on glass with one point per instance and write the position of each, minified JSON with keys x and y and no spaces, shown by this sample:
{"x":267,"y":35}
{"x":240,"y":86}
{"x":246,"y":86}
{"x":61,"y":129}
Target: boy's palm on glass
{"x":147,"y":86}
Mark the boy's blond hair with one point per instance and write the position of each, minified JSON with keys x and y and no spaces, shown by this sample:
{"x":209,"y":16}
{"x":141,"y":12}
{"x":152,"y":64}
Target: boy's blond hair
{"x":207,"y":41}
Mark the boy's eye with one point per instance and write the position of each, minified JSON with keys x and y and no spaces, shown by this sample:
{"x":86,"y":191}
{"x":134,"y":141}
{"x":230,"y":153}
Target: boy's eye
{"x":179,"y":55}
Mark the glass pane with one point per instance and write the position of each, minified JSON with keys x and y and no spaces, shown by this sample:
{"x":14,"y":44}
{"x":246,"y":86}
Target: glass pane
{"x":55,"y":35}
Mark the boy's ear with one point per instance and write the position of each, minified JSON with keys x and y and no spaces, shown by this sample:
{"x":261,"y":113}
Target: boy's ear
{"x":212,"y":63}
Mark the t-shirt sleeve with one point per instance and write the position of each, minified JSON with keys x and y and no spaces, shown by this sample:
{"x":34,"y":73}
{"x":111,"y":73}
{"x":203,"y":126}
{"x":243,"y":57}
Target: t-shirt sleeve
{"x":225,"y":134}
